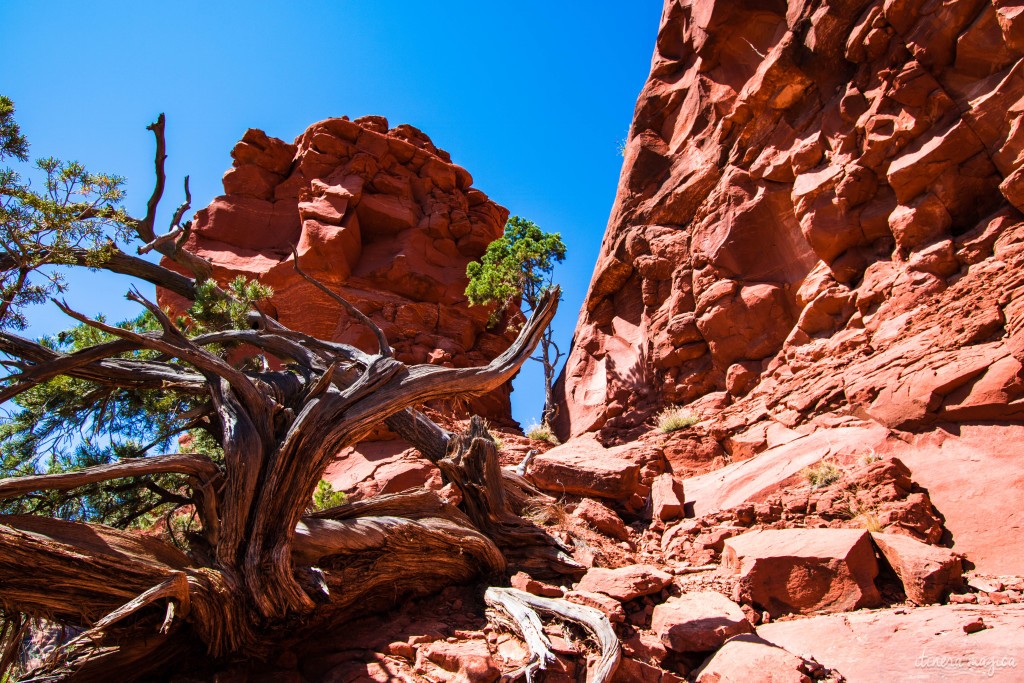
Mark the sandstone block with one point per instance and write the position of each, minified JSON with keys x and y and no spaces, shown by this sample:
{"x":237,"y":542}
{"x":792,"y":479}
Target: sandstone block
{"x":601,"y":518}
{"x":748,"y":658}
{"x":926,"y":571}
{"x":585,"y":469}
{"x":698,"y":622}
{"x":625,"y":583}
{"x":804,"y":570}
{"x":667,"y":497}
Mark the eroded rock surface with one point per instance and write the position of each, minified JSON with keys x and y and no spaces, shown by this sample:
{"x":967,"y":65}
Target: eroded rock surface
{"x":929,"y":643}
{"x":815,"y":191}
{"x":818,"y":228}
{"x":379,"y":214}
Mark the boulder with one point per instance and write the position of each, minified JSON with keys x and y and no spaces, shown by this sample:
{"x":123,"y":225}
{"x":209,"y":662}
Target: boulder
{"x":610,"y":606}
{"x":467,"y":661}
{"x":926,"y":571}
{"x":803,"y":570}
{"x":601,"y":518}
{"x":749,"y":658}
{"x":667,"y":497}
{"x":698,"y":621}
{"x":585,"y":468}
{"x":625,"y":583}
{"x":526,"y":583}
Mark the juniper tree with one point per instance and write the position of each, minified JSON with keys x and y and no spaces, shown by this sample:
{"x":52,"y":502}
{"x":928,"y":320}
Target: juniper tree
{"x":519,"y":266}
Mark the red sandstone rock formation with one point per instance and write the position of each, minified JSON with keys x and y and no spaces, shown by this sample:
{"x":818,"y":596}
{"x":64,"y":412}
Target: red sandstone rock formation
{"x":819,"y":226}
{"x":819,"y":199}
{"x":382,"y":216}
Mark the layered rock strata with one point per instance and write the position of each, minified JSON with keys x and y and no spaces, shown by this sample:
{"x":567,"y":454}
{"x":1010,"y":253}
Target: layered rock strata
{"x":379,"y":214}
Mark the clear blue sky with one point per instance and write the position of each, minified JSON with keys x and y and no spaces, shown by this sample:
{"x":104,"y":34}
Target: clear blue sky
{"x":532,"y":97}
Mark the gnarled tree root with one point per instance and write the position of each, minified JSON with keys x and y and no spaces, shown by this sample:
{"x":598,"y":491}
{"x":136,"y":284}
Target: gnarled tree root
{"x":472,"y":465}
{"x":518,"y":611}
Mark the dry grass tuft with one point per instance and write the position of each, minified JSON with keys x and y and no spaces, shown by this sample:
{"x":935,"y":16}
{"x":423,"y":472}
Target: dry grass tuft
{"x":675,"y":418}
{"x":821,"y":475}
{"x":547,"y":512}
{"x":542,"y":432}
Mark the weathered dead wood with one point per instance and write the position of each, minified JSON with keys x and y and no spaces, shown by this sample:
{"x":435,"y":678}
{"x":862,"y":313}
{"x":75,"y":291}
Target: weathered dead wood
{"x":124,"y":264}
{"x":521,"y":468}
{"x":518,"y":610}
{"x":193,"y":464}
{"x":74,"y":566}
{"x":130,"y":654}
{"x":472,"y":465}
{"x":418,"y":558}
{"x":412,"y":504}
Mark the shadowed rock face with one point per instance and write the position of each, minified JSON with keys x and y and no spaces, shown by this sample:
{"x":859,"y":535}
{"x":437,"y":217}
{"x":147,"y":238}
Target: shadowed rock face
{"x":380,"y":215}
{"x":819,"y":212}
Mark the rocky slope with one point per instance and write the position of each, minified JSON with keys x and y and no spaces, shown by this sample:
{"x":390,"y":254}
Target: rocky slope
{"x":381,"y":215}
{"x":819,"y":225}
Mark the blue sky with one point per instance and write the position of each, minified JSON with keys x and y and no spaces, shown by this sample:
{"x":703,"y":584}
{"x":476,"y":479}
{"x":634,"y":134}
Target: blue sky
{"x":532,"y":97}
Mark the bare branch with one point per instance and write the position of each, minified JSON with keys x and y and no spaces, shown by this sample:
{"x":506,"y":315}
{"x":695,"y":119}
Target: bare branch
{"x":423,"y":383}
{"x":193,"y":464}
{"x":284,"y":349}
{"x":175,"y":344}
{"x":177,"y":232}
{"x":145,"y":226}
{"x":176,"y":220}
{"x":123,"y":264}
{"x":95,"y":365}
{"x":421,"y":432}
{"x":382,"y":341}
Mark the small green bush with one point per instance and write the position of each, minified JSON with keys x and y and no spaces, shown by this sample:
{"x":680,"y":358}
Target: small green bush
{"x":822,"y":474}
{"x":326,"y":497}
{"x":542,"y":432}
{"x":675,"y":418}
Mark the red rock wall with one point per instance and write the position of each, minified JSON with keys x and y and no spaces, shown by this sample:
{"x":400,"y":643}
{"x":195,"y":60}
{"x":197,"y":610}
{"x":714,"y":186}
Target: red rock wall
{"x":383,"y":217}
{"x":819,"y":213}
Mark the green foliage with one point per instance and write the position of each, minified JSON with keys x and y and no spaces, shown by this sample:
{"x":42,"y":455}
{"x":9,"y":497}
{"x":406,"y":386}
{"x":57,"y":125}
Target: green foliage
{"x":518,"y":264}
{"x":326,"y":497}
{"x":821,"y":475}
{"x":210,"y":312}
{"x":66,"y":424}
{"x":73,"y":213}
{"x":674,"y":418}
{"x":542,"y":432}
{"x":12,"y":142}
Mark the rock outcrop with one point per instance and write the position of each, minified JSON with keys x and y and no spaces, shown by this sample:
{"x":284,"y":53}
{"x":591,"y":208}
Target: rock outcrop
{"x":383,"y":217}
{"x":819,"y":227}
{"x":815,"y":190}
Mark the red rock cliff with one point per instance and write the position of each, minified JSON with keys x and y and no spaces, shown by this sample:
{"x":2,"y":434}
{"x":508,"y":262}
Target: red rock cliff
{"x":382,"y":216}
{"x":819,"y":213}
